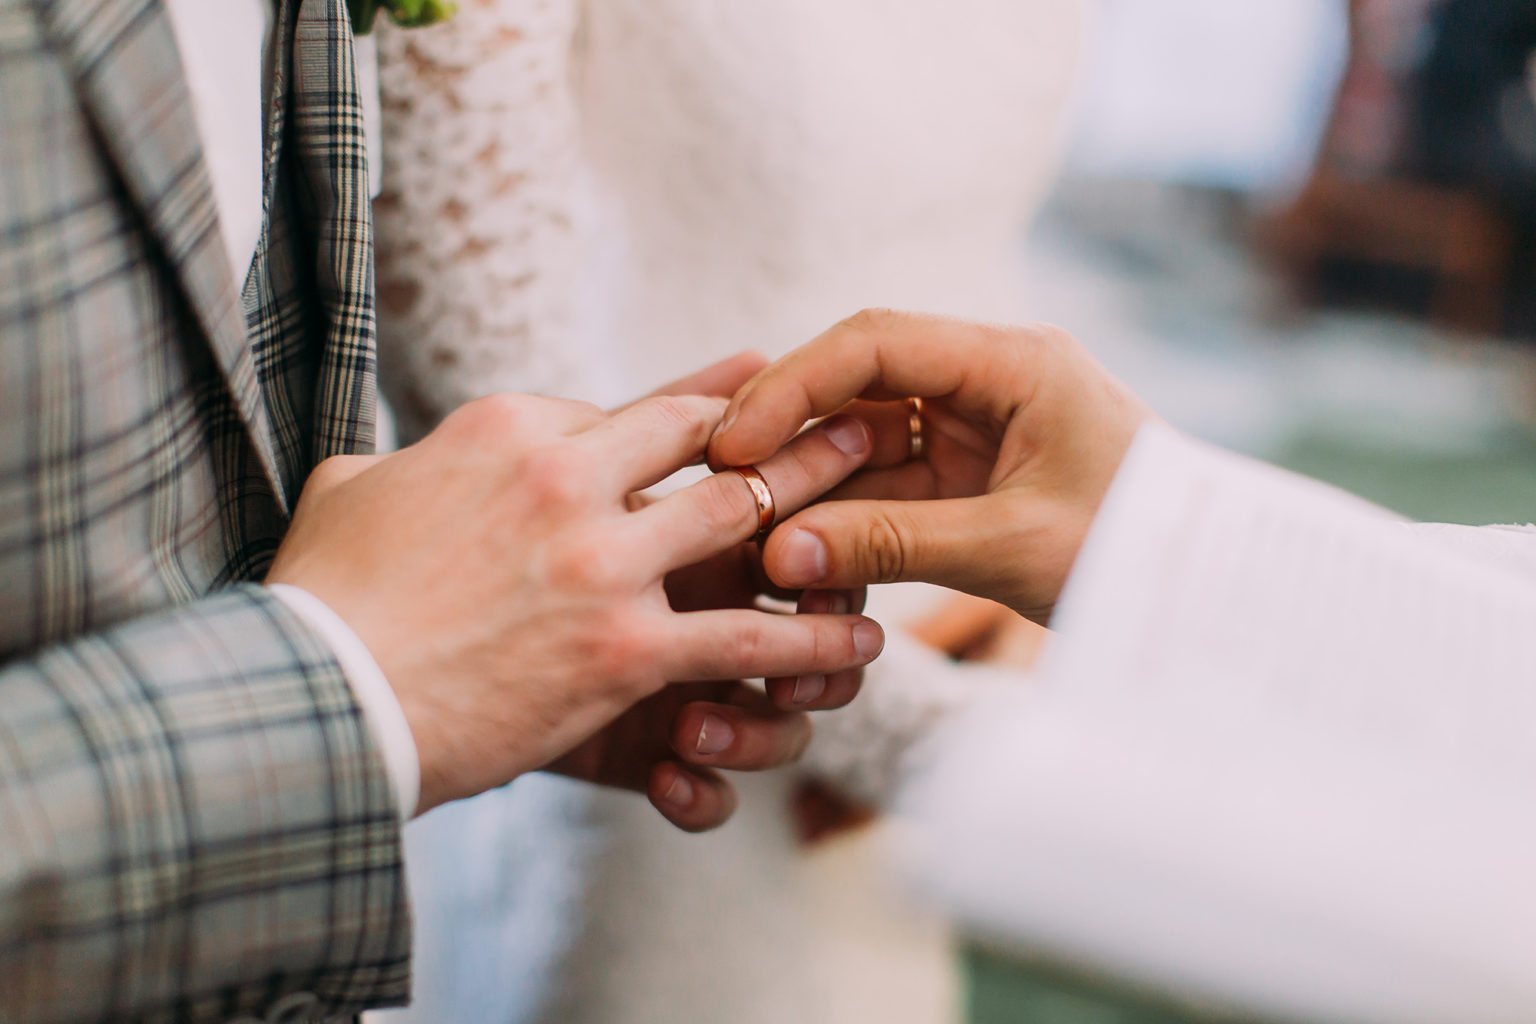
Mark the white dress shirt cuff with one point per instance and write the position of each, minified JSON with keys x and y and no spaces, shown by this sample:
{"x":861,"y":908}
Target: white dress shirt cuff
{"x":380,"y":706}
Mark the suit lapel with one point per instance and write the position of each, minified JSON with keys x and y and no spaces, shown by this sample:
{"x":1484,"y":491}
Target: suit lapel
{"x":329,"y":146}
{"x":124,"y":61}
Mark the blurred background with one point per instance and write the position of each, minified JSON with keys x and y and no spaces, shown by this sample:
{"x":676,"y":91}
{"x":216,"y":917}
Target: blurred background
{"x":1302,"y":229}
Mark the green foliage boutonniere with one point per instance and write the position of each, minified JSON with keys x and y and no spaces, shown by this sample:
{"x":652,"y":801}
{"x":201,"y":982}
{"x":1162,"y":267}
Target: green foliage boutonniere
{"x":408,"y":13}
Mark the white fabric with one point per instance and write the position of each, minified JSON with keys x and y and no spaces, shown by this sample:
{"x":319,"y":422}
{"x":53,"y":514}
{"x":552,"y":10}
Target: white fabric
{"x":223,"y":54}
{"x":590,"y":199}
{"x":1508,"y":546}
{"x":223,"y":48}
{"x":1281,"y":755}
{"x":381,"y":708}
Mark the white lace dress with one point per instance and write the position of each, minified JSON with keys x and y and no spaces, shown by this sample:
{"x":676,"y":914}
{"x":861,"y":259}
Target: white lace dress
{"x":592,"y":199}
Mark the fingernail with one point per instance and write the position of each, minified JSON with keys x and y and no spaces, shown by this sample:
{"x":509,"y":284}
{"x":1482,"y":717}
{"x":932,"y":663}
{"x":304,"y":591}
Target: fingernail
{"x":802,"y":559}
{"x":868,"y":640}
{"x":849,"y":435}
{"x":807,"y":689}
{"x":680,"y":792}
{"x":714,"y":735}
{"x":837,"y":604}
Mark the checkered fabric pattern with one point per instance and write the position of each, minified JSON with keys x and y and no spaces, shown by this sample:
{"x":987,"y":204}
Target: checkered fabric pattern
{"x":194,"y":823}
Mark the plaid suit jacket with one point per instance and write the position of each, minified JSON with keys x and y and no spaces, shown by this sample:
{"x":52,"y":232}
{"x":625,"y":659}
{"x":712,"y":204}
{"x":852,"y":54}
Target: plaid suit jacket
{"x":194,"y":824}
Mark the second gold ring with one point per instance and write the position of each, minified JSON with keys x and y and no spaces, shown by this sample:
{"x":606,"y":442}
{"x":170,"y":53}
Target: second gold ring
{"x":916,"y":443}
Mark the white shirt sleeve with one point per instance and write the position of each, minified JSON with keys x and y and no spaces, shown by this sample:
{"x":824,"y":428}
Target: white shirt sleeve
{"x":381,"y":708}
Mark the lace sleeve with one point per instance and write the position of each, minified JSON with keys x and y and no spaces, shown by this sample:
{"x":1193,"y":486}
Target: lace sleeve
{"x":868,"y":747}
{"x":476,"y":245}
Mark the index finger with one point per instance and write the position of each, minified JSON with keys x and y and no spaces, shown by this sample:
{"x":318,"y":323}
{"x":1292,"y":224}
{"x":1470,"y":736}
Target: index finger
{"x":649,"y":441}
{"x":875,"y":354}
{"x":719,"y":380}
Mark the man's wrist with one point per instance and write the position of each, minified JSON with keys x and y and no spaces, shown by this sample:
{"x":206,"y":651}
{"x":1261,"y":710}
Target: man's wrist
{"x":386,"y":720}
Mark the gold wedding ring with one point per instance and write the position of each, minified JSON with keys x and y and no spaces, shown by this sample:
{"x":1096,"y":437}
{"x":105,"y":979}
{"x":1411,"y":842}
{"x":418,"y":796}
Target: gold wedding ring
{"x":915,"y":442}
{"x":762,"y":495}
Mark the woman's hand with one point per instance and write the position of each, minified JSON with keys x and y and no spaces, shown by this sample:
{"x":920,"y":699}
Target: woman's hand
{"x":1024,"y":431}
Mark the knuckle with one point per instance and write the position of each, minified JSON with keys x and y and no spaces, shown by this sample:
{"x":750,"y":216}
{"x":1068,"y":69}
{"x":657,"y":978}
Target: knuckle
{"x":821,"y":638}
{"x":610,"y":650}
{"x":552,"y":479}
{"x":797,"y":466}
{"x":694,"y":413}
{"x":577,"y":564}
{"x":628,"y":649}
{"x":331,"y":472}
{"x":882,"y":549}
{"x":671,"y":408}
{"x":727,"y":506}
{"x":870,"y":320}
{"x":1040,"y":341}
{"x":749,"y":645}
{"x":497,"y":415}
{"x":588,"y":411}
{"x":1050,"y":335}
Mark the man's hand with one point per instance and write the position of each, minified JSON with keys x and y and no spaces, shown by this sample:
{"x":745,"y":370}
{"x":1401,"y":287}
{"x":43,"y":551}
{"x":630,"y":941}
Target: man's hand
{"x":735,"y":577}
{"x":517,"y":604}
{"x":1024,"y":432}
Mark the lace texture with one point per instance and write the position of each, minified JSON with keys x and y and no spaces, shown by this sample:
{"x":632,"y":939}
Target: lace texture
{"x":477,"y":247}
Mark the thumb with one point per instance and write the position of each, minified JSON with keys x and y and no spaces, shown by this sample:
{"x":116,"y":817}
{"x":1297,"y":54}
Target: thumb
{"x":963,"y":543}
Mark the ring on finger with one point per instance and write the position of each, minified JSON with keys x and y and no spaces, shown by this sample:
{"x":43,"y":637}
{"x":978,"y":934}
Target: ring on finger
{"x":916,"y":443}
{"x":766,"y":513}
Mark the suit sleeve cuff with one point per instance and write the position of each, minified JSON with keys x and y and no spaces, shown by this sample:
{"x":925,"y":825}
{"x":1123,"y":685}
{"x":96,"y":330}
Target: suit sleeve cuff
{"x":381,"y":708}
